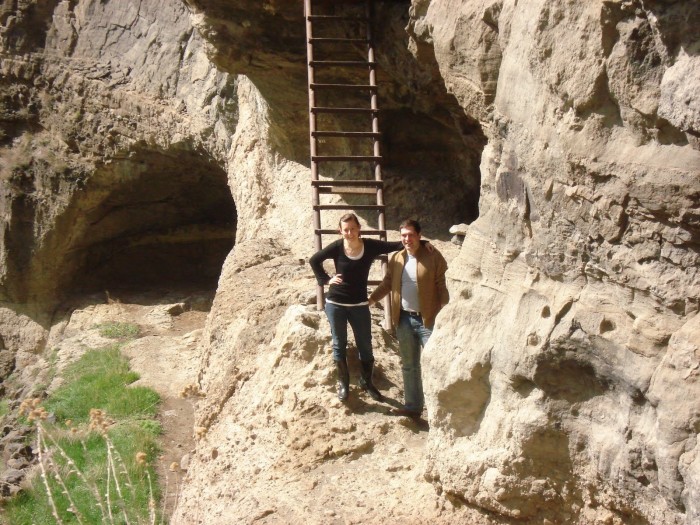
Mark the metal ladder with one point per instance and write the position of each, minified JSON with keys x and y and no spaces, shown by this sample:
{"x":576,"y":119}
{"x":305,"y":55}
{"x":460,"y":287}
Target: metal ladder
{"x":373,"y":185}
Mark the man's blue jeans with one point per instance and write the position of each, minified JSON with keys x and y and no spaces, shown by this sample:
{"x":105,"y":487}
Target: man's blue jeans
{"x":361,"y":322}
{"x":412,"y":336}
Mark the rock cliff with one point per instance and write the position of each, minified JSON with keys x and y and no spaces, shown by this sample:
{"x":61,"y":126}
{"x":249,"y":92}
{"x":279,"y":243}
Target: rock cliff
{"x":163,"y":143}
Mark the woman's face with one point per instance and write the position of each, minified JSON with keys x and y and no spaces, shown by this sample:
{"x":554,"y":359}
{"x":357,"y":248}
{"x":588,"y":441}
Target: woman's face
{"x":350,"y":230}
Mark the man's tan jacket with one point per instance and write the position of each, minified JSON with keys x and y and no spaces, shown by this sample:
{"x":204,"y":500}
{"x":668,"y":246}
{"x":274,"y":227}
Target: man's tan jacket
{"x":432,"y":289}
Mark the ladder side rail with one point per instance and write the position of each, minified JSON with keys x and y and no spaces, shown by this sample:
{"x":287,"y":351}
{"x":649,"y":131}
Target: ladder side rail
{"x":381,"y":221}
{"x":313,"y":141}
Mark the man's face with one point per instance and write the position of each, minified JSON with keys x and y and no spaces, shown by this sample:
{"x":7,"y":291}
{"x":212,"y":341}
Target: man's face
{"x":349,"y":230}
{"x":409,"y":238}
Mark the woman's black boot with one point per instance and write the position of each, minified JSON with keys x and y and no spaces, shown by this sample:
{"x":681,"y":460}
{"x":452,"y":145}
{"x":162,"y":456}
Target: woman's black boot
{"x":366,"y":380}
{"x":343,"y":379}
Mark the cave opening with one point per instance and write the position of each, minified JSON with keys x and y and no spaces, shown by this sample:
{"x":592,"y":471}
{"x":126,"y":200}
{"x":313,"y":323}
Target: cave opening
{"x":431,"y":168}
{"x":431,"y":145}
{"x":151,"y":221}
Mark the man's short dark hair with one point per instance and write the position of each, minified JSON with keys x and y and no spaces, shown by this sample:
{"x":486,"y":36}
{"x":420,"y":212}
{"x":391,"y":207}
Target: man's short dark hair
{"x":410,"y":223}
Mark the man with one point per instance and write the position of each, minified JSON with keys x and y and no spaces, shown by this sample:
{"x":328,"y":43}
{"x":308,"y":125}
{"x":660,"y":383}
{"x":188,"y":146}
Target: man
{"x":416,"y":279}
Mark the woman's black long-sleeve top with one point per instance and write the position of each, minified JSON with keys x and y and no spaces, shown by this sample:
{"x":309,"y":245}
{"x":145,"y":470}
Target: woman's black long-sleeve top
{"x":353,"y":289}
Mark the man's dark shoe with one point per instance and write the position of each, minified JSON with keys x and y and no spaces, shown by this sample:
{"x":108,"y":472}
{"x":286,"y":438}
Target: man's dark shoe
{"x":366,"y":380}
{"x":415,"y":414}
{"x":343,"y":379}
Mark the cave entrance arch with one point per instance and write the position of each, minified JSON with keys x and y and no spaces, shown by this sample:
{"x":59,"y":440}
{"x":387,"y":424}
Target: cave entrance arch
{"x":154,"y":220}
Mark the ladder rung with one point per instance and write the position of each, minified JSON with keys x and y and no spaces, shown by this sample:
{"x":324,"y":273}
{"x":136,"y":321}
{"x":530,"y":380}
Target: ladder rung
{"x":346,"y":158}
{"x":344,"y":86}
{"x":338,"y":17}
{"x":342,"y":63}
{"x":364,"y":232}
{"x":325,"y":109}
{"x":347,"y":2}
{"x":378,"y":207}
{"x":337,"y":190}
{"x":349,"y":134}
{"x":350,"y":183}
{"x":338,"y":40}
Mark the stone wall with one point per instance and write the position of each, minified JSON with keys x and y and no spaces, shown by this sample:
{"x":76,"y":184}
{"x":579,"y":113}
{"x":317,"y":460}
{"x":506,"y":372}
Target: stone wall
{"x":564,"y":375}
{"x":561,"y":380}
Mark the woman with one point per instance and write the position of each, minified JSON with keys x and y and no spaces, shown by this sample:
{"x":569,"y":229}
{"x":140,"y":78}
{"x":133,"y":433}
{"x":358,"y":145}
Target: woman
{"x":346,"y":301}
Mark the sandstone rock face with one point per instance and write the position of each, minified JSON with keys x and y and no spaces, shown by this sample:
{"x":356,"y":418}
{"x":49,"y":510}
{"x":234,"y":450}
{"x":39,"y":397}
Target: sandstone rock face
{"x":149,"y":143}
{"x":564,"y":377}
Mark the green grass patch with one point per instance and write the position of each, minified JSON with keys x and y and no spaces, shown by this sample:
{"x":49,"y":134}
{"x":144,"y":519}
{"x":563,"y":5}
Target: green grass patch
{"x":99,"y":380}
{"x":116,"y":330}
{"x":85,"y":460}
{"x":4,"y":407}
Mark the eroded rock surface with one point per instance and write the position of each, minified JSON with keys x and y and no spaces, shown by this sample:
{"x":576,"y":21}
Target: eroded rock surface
{"x":577,"y":287}
{"x":141,"y":141}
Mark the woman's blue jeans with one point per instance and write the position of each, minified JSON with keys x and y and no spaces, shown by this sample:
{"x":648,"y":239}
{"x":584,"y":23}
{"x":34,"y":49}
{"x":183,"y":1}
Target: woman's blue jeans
{"x":361,"y":322}
{"x":412,"y":336}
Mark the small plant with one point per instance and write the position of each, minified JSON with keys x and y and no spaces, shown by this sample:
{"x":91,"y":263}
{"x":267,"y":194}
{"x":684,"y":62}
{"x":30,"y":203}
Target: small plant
{"x":116,"y":330}
{"x":151,"y":426}
{"x":192,"y":390}
{"x":4,"y":407}
{"x":95,"y":460}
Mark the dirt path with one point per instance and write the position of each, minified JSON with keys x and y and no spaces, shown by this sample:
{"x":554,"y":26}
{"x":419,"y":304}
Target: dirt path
{"x":167,"y":362}
{"x":166,"y":359}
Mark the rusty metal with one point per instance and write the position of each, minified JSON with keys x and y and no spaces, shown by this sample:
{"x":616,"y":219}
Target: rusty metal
{"x":373,"y":186}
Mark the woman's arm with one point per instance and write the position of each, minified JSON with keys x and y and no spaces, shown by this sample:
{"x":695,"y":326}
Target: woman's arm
{"x":383,"y":247}
{"x":316,"y":262}
{"x":383,"y":288}
{"x":388,"y":247}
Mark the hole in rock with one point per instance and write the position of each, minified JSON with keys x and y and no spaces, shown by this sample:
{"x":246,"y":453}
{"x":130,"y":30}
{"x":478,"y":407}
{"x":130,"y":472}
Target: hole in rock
{"x":522,"y":385}
{"x":568,"y":379}
{"x":155,"y":220}
{"x":431,"y":168}
{"x":606,"y":325}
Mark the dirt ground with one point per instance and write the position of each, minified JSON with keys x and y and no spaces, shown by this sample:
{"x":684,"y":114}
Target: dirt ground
{"x":168,"y":364}
{"x":176,"y":413}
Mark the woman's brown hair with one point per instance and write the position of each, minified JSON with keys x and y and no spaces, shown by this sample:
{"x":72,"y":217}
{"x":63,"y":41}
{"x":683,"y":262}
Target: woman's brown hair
{"x":349,"y":217}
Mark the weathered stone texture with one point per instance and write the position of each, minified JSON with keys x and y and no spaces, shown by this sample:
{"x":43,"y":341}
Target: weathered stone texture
{"x":562,"y":380}
{"x":118,"y":89}
{"x":577,"y":286}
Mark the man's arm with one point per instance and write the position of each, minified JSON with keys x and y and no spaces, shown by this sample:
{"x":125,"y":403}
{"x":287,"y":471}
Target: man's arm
{"x":440,"y":280}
